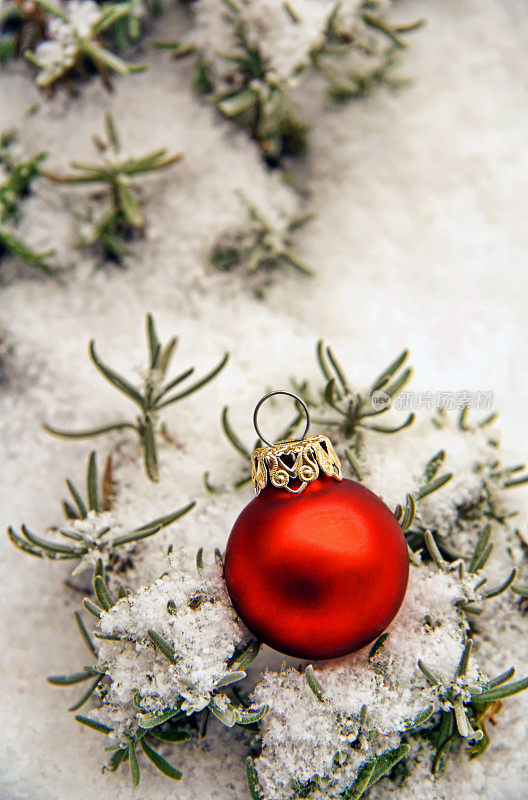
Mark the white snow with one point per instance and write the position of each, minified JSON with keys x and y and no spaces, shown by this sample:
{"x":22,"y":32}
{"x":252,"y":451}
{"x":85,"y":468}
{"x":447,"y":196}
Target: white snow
{"x":203,"y":638}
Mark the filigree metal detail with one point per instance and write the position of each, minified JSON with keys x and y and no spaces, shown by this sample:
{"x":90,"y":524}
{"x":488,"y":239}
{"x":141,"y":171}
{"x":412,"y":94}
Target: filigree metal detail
{"x":301,"y":460}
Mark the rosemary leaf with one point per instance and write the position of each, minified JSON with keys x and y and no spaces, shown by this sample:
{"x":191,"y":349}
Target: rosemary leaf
{"x":92,"y":723}
{"x":103,"y":595}
{"x":377,"y":644}
{"x":242,"y":659}
{"x":167,"y":519}
{"x":250,"y":717}
{"x":84,"y":634}
{"x":134,"y":765}
{"x":175,"y":735}
{"x":252,"y":780}
{"x":163,"y":646}
{"x":313,"y":683}
{"x":233,"y":438}
{"x":480,"y":547}
{"x":196,"y":386}
{"x":94,"y":610}
{"x":91,"y":484}
{"x":361,"y":783}
{"x":116,"y":380}
{"x":77,"y":499}
{"x":52,"y":547}
{"x":167,"y":769}
{"x":150,"y":720}
{"x":500,"y":679}
{"x":87,"y":694}
{"x":500,"y":692}
{"x":69,"y":680}
{"x":497,"y":590}
{"x":386,"y":762}
{"x":464,"y":660}
{"x":230,"y":677}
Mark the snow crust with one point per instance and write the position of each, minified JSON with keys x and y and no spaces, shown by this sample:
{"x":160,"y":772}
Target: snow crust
{"x":203,"y":638}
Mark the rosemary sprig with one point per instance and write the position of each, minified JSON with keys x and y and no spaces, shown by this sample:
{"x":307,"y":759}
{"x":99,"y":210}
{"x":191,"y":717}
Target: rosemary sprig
{"x":83,"y":543}
{"x":151,"y":398}
{"x":352,"y":412}
{"x":262,"y":247}
{"x":75,"y":42}
{"x":22,"y":26}
{"x":16,"y":179}
{"x":371,"y":65}
{"x":122,"y":219}
{"x":250,"y":90}
{"x":256,"y":99}
{"x":481,"y":553}
{"x":129,"y":28}
{"x":259,"y":101}
{"x":467,"y":704}
{"x":374,"y":770}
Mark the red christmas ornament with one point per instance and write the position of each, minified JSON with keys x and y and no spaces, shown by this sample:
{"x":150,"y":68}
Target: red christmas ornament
{"x":316,"y":566}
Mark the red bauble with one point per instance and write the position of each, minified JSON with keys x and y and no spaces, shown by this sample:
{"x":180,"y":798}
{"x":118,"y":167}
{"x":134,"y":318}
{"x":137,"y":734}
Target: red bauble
{"x":318,"y":574}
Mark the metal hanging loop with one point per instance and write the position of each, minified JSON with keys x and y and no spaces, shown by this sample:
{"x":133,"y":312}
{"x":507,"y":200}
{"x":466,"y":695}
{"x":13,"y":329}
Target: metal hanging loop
{"x":288,"y":394}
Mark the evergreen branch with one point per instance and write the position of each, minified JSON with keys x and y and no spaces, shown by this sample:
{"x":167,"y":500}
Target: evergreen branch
{"x":148,"y":398}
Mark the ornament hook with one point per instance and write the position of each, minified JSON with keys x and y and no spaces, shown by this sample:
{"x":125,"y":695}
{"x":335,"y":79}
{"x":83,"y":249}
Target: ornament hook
{"x":288,"y":394}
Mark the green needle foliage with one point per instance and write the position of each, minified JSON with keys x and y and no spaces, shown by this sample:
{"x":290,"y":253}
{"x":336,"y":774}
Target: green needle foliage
{"x":16,"y":178}
{"x":22,"y":26}
{"x":94,"y":541}
{"x":261,"y":247}
{"x":466,"y":572}
{"x":129,"y":28}
{"x":457,"y":708}
{"x":330,"y":56}
{"x":174,"y":725}
{"x":245,"y":86}
{"x":74,"y":45}
{"x":352,"y":413}
{"x":257,"y":100}
{"x":151,"y":398}
{"x":468,"y":704}
{"x":122,"y":219}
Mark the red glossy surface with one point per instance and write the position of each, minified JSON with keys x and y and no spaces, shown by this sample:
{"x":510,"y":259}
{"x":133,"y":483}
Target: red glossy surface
{"x":319,"y":574}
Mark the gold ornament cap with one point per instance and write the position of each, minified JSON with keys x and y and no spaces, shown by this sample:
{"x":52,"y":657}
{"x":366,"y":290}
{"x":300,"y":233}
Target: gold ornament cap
{"x":292,"y":461}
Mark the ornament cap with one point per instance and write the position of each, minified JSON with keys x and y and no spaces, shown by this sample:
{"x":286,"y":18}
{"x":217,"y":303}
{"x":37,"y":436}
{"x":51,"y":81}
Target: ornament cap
{"x":296,"y":462}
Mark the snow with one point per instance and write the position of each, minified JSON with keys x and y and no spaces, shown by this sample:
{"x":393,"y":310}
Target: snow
{"x":301,"y":735}
{"x":419,"y":241}
{"x":203,"y":638}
